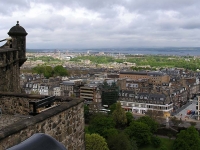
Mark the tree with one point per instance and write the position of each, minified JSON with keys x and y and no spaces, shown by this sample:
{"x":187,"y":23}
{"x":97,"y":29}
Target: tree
{"x":139,"y":132}
{"x":119,"y":116}
{"x":60,"y":71}
{"x":100,"y":123}
{"x":163,"y":147}
{"x":153,"y":125}
{"x":95,"y":142}
{"x":134,"y":144}
{"x":110,"y":132}
{"x":156,"y":142}
{"x":47,"y":71}
{"x":120,"y":142}
{"x":112,"y":108}
{"x":187,"y":140}
{"x":129,"y":117}
{"x":86,"y":113}
{"x":38,"y":69}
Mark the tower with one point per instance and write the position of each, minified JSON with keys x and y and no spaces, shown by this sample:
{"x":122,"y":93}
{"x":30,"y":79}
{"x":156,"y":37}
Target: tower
{"x":18,"y":35}
{"x":12,"y":57}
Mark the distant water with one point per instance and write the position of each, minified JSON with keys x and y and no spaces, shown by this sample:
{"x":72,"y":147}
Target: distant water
{"x":178,"y":51}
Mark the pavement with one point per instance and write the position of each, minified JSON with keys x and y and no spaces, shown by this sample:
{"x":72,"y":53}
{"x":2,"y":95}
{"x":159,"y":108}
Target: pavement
{"x":182,"y":115}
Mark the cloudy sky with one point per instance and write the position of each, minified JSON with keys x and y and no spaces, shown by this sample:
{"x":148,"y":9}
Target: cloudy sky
{"x":104,"y":23}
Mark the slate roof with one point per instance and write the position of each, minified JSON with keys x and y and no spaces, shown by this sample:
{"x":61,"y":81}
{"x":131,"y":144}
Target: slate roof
{"x":133,"y":72}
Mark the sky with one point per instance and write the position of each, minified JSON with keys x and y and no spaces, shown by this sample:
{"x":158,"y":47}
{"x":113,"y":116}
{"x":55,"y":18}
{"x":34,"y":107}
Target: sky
{"x":80,"y":24}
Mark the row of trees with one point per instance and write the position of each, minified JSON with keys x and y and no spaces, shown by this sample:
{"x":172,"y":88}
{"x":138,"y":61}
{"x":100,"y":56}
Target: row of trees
{"x":49,"y":71}
{"x":121,"y":131}
{"x":188,"y":139}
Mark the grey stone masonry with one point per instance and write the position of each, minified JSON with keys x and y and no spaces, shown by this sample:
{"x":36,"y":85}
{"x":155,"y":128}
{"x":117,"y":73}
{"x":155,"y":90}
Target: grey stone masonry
{"x":65,"y":123}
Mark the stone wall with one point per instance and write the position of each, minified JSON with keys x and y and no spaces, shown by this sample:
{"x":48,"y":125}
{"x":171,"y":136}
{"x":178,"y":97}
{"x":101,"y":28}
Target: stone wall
{"x":11,"y":103}
{"x":65,"y":123}
{"x":9,"y":70}
{"x":14,"y":105}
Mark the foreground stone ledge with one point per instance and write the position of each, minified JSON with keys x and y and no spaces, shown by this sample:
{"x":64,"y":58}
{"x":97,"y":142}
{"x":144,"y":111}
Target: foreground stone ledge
{"x":65,"y":123}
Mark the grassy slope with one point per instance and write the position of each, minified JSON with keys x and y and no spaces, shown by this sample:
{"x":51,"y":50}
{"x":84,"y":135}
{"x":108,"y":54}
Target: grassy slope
{"x":166,"y":142}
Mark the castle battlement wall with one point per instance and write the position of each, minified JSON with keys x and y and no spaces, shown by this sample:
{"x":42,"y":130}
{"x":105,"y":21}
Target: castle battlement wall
{"x":65,"y":123}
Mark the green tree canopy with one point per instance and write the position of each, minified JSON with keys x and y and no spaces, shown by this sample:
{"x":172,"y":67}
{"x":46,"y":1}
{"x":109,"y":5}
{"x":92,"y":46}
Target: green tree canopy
{"x":48,"y":71}
{"x":140,"y":132}
{"x":129,"y":117}
{"x":60,"y":71}
{"x":119,"y":116}
{"x":187,"y":140}
{"x":86,"y":113}
{"x":112,"y":108}
{"x":100,"y":123}
{"x":95,"y":142}
{"x":153,"y":125}
{"x":156,"y":141}
{"x":121,"y":142}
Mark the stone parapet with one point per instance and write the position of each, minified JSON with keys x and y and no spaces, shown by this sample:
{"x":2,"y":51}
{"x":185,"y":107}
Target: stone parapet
{"x":64,"y":122}
{"x":17,"y":103}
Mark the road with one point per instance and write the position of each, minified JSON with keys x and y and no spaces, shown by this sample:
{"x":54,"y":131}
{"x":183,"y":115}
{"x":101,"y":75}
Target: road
{"x":188,"y":118}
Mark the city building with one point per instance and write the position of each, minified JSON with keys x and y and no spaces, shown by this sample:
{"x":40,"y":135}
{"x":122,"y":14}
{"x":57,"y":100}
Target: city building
{"x":144,"y":102}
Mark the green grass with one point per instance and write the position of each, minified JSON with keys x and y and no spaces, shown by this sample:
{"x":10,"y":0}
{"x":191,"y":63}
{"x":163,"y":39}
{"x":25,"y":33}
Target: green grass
{"x":166,"y":142}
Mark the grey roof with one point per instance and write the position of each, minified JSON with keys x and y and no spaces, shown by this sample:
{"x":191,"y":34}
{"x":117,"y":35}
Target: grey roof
{"x":156,"y":96}
{"x":150,"y":96}
{"x":155,"y":73}
{"x":133,"y":72}
{"x":17,"y":30}
{"x":68,"y":83}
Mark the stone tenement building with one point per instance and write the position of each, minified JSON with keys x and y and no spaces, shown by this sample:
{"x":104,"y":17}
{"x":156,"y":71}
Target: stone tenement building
{"x":22,"y":115}
{"x":12,"y":57}
{"x":155,"y":78}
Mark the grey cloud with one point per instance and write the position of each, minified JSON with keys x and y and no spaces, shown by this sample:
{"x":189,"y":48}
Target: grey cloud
{"x":157,"y":22}
{"x":8,"y":6}
{"x":191,"y":23}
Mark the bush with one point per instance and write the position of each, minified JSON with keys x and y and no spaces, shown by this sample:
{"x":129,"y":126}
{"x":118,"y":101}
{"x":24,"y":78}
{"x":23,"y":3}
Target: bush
{"x":163,"y":148}
{"x":156,"y":142}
